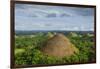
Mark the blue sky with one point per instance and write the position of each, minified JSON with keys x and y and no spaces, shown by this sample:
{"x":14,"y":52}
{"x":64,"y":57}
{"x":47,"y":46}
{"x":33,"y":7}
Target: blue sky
{"x":40,"y":17}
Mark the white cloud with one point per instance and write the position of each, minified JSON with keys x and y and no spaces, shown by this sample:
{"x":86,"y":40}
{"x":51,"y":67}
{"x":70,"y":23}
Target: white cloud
{"x":36,"y":17}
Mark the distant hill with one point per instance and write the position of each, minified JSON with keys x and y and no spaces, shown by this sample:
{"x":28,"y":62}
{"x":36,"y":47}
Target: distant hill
{"x":37,"y":31}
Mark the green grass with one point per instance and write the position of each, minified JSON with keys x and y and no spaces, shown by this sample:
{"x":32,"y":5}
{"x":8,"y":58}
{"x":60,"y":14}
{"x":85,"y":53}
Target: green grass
{"x":17,"y":51}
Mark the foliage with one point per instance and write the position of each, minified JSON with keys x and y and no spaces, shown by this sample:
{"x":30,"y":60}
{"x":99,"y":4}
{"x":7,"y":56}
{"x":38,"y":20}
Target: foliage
{"x":27,"y":49}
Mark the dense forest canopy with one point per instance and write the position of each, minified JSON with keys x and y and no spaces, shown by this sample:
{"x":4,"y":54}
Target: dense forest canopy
{"x":27,"y":49}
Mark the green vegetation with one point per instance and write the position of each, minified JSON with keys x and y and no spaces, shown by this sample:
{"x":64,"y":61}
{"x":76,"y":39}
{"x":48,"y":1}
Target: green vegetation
{"x":27,"y":49}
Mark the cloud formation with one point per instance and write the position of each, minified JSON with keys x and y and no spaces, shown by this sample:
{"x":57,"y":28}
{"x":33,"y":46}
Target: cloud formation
{"x":41,"y":17}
